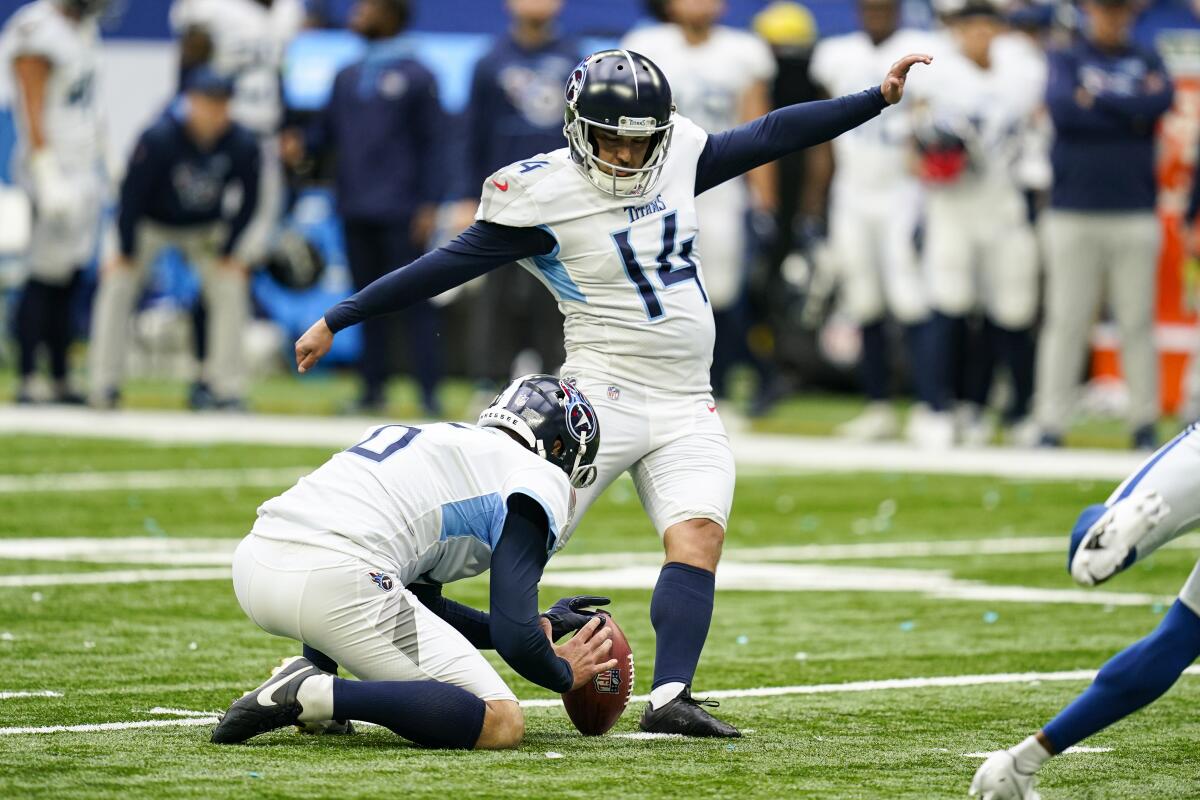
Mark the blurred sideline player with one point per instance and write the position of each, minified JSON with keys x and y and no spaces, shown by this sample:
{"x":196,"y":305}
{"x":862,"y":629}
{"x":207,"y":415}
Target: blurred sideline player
{"x":1105,"y":94}
{"x":246,"y":39}
{"x":172,"y":195}
{"x":351,"y":561}
{"x":980,"y":249}
{"x":1158,"y":503}
{"x":52,"y":49}
{"x":609,"y":225}
{"x":383,"y":120}
{"x":874,"y":204}
{"x":720,"y":77}
{"x":515,"y":108}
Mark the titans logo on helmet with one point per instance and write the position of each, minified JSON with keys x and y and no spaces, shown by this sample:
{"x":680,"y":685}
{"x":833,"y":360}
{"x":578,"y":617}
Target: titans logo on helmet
{"x":581,"y":417}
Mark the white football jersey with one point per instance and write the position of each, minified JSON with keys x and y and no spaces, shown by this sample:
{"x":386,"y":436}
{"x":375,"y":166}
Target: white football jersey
{"x":708,"y":79}
{"x":626,"y":272}
{"x":72,"y":119}
{"x":428,"y":501}
{"x":874,"y":155}
{"x":249,"y":40}
{"x":991,"y":108}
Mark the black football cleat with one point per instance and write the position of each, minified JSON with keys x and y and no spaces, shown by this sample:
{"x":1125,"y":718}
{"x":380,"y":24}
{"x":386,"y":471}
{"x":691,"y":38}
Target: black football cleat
{"x":272,"y":705}
{"x":686,"y":716}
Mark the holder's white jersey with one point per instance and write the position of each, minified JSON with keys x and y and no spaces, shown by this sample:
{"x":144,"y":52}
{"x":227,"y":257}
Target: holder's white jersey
{"x":427,"y":501}
{"x":72,"y":119}
{"x":626,"y":272}
{"x":249,"y":40}
{"x":708,"y":79}
{"x":874,"y":156}
{"x":992,"y":108}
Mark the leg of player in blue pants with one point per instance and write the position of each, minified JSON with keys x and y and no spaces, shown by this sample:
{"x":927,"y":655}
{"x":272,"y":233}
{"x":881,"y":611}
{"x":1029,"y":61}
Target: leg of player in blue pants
{"x":1159,"y":502}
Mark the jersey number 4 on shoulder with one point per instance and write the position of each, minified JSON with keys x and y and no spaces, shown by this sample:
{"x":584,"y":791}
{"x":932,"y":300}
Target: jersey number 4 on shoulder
{"x":668,"y":274}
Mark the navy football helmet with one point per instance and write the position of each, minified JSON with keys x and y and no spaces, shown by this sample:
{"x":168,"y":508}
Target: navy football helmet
{"x":553,"y":419}
{"x":626,"y":94}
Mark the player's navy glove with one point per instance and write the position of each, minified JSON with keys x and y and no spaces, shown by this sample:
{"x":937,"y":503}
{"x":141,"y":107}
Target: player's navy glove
{"x":571,"y":613}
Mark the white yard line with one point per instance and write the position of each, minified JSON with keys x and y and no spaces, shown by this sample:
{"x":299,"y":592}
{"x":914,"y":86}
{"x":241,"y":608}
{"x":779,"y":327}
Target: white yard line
{"x":1067,"y":752}
{"x":756,"y":451}
{"x":44,"y":693}
{"x":111,"y":726}
{"x":190,"y":717}
{"x":169,"y":551}
{"x":761,"y":577}
{"x":151,"y":480}
{"x":117,"y":576}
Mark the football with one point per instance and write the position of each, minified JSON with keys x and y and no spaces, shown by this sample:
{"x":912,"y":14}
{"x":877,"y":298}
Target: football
{"x":597,"y":705}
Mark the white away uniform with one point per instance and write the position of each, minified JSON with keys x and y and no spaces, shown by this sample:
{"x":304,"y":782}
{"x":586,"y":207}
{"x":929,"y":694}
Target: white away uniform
{"x":327,"y":562}
{"x":638,"y":325}
{"x":249,"y":41}
{"x":72,"y":124}
{"x":979,"y":244}
{"x":875,"y":201}
{"x":708,"y":82}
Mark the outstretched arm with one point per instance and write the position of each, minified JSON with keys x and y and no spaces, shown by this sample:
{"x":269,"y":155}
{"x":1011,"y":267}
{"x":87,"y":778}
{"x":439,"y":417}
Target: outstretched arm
{"x":479,"y":249}
{"x":729,"y":154}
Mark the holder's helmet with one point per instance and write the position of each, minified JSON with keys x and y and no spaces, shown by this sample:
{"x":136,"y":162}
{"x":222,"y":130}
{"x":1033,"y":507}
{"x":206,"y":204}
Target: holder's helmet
{"x":553,"y":419}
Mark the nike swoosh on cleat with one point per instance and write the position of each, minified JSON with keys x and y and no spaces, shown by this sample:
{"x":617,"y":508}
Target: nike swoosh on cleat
{"x":269,"y":690}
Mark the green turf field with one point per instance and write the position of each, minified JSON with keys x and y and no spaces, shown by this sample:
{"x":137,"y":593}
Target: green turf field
{"x":170,"y":651}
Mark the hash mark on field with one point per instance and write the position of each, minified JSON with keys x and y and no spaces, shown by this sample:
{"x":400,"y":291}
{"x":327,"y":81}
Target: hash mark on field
{"x":44,"y":693}
{"x":948,"y":681}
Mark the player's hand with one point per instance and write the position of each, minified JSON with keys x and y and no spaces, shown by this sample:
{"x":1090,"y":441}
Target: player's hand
{"x":117,"y":263}
{"x":313,"y":345}
{"x":53,"y":196}
{"x":233,"y":264}
{"x":291,"y":147}
{"x":586,"y":652}
{"x":893,"y":84}
{"x":570,"y":614}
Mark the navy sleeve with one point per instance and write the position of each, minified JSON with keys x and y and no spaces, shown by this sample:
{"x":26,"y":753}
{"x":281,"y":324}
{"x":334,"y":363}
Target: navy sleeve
{"x":475,"y":127}
{"x":1193,"y":207}
{"x":479,"y":249}
{"x":734,"y":152}
{"x":517,"y":564}
{"x":245,"y":171}
{"x":430,"y":125}
{"x":1068,"y":116}
{"x":1144,"y":108}
{"x":471,"y":623}
{"x":144,"y":165}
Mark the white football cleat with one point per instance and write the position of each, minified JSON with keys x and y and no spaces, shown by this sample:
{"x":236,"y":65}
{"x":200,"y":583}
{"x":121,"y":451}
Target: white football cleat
{"x":929,"y":429}
{"x":998,"y":779}
{"x":1106,"y":546}
{"x":876,"y":423}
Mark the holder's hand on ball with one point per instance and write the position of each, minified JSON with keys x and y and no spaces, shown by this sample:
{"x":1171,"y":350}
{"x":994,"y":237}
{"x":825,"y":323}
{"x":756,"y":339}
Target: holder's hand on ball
{"x":571,"y":613}
{"x":587,"y":652}
{"x":893,"y":83}
{"x":313,"y":345}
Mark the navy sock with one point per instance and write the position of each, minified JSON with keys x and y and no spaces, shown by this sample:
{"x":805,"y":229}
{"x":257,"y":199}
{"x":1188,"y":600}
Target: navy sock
{"x":922,"y":355}
{"x":680,"y":611}
{"x":320,"y":660}
{"x":1133,"y":678}
{"x":873,"y":366}
{"x":430,"y":713}
{"x":948,"y":334}
{"x":979,"y":363}
{"x":1014,"y":346}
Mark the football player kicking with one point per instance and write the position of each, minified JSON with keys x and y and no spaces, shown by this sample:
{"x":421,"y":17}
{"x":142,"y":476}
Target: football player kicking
{"x":609,"y":225}
{"x":1158,"y":503}
{"x":351,"y":560}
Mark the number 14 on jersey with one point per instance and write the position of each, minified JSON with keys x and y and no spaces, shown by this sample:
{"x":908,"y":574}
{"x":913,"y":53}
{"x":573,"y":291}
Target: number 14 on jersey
{"x":668,"y":274}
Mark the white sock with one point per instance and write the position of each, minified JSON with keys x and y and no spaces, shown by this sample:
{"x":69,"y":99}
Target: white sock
{"x":316,"y":698}
{"x":1029,"y":755}
{"x":666,"y":693}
